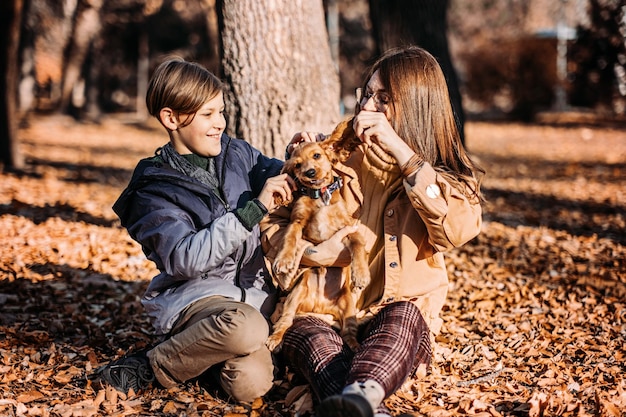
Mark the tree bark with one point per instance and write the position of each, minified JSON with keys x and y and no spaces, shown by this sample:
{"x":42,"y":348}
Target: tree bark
{"x":86,"y":28}
{"x":214,"y":62}
{"x":52,"y":23}
{"x":10,"y":24}
{"x":278,"y":69}
{"x":423,"y":23}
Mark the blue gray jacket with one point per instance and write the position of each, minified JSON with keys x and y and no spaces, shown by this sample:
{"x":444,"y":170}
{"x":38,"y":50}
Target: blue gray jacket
{"x":197,"y":237}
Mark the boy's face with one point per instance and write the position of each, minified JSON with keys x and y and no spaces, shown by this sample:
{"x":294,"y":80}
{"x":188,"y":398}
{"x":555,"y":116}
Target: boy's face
{"x":202,"y":135}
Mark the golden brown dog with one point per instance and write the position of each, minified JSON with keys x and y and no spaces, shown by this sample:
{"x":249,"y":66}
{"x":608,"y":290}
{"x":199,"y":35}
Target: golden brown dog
{"x":318,"y":212}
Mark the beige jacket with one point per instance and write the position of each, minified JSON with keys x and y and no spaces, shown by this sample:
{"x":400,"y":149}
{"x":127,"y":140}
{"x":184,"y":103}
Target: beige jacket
{"x":407,"y":222}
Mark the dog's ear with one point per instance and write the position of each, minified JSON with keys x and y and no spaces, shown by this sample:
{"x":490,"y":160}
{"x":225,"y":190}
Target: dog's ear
{"x":287,"y":167}
{"x":342,"y":142}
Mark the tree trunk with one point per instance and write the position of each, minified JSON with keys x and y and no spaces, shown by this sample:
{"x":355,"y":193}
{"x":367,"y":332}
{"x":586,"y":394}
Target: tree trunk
{"x":143,"y":74}
{"x":52,"y":23}
{"x":86,"y":28}
{"x":214,"y":62}
{"x":10,"y":24}
{"x":27,"y":83}
{"x":278,"y":69}
{"x":423,"y":23}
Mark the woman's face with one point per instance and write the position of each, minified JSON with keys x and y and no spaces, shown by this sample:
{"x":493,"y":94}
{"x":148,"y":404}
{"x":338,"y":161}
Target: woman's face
{"x":375,"y":97}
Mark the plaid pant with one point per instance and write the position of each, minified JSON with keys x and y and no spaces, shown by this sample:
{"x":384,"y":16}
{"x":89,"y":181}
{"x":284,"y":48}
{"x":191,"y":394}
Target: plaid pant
{"x":393,"y":345}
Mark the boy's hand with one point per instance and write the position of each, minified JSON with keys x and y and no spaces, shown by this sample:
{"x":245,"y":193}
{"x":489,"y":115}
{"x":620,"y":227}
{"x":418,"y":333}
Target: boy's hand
{"x":277,"y":190}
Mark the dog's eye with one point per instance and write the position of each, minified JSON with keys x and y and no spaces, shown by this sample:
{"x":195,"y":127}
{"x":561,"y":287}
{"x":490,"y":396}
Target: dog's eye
{"x":298,"y":165}
{"x":317,"y":155}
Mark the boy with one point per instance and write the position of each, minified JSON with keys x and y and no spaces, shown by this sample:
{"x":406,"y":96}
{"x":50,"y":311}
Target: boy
{"x":195,"y":207}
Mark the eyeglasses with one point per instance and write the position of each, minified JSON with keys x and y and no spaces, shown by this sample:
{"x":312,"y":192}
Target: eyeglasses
{"x":381,"y":99}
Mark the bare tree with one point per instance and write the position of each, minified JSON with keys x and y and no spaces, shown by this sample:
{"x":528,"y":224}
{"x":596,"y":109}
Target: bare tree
{"x":423,"y":23}
{"x":278,"y":67}
{"x":10,"y":22}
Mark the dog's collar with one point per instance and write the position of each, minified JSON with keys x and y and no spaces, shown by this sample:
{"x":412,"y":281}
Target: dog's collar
{"x":324,"y":193}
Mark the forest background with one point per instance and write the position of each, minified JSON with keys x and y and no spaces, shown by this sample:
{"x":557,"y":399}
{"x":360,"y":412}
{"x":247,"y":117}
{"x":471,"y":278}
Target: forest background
{"x":536,"y":321}
{"x":511,"y":58}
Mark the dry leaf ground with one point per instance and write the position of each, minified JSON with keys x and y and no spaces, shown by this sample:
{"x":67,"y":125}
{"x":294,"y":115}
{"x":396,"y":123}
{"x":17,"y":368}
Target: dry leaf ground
{"x":535,"y":324}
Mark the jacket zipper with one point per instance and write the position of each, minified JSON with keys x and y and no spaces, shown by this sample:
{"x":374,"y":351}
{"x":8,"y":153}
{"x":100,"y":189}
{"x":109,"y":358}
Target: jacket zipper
{"x":237,"y":275}
{"x":227,"y":206}
{"x":222,"y":179}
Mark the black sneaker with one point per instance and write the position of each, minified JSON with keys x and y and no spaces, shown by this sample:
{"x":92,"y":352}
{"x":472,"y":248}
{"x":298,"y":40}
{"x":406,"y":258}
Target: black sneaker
{"x":132,"y":371}
{"x":346,"y":405}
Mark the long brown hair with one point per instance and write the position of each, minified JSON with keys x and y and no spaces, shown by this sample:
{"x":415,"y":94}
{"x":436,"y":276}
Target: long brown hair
{"x":422,"y":114}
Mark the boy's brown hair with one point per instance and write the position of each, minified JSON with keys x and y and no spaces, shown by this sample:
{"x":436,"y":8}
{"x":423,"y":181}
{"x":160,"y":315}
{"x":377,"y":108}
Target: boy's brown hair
{"x":182,"y":86}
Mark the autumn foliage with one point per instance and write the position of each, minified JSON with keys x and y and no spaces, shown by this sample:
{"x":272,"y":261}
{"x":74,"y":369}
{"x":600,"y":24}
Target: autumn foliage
{"x":535,"y":323}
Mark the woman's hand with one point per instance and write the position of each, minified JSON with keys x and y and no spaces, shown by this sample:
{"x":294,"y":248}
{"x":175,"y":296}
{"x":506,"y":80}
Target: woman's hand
{"x":373,"y":127}
{"x":301,"y":137}
{"x":276,"y":190}
{"x":331,"y":252}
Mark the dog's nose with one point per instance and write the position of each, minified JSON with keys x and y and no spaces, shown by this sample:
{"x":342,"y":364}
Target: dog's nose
{"x":310,"y":173}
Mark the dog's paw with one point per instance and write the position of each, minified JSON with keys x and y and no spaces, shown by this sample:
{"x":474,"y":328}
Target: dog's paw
{"x":360,"y":280}
{"x":274,"y":343}
{"x":352,"y":343}
{"x":348,"y":334}
{"x":284,"y":267}
{"x":280,"y":201}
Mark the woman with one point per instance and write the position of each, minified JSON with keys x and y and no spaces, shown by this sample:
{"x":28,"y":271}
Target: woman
{"x":416,"y":194}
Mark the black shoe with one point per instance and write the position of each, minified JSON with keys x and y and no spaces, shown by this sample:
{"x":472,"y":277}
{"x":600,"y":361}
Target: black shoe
{"x":210,"y":381}
{"x":348,"y":405}
{"x":131,"y":371}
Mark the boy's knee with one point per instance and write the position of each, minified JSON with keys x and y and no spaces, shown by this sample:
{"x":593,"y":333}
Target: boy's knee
{"x":248,"y":377}
{"x":243,"y":330}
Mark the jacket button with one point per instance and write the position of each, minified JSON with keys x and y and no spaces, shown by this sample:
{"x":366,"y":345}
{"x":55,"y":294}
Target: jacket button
{"x":393,"y":264}
{"x":390,"y":212}
{"x":392,"y":238}
{"x":433,"y":191}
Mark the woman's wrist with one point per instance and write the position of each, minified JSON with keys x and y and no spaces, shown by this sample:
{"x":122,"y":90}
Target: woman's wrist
{"x":307,"y":255}
{"x":411,"y":166}
{"x":314,"y":257}
{"x":310,"y":250}
{"x":400,"y":150}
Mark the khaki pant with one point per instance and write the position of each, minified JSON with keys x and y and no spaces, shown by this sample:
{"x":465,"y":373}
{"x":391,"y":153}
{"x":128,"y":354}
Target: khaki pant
{"x":215,"y":330}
